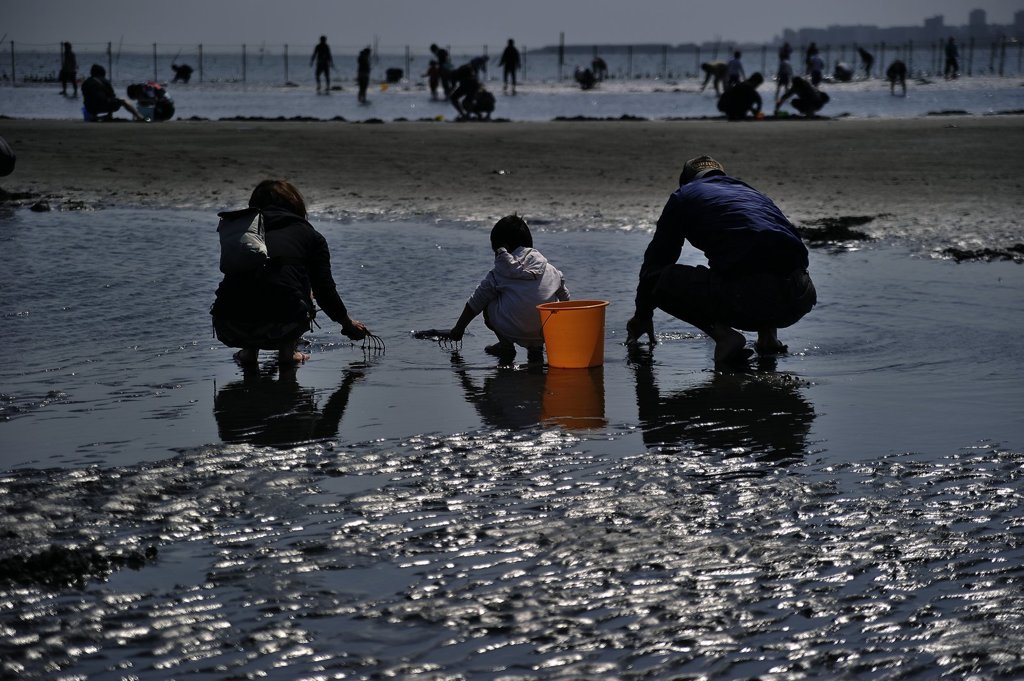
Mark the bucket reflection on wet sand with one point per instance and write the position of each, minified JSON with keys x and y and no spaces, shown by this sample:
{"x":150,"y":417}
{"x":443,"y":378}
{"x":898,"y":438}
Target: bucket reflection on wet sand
{"x":574,"y":398}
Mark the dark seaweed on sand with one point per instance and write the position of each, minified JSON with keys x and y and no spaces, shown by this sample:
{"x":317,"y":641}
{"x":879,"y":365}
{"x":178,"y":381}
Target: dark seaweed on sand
{"x":834,"y":230}
{"x":1014,"y":253}
{"x":60,"y":567}
{"x":15,"y":197}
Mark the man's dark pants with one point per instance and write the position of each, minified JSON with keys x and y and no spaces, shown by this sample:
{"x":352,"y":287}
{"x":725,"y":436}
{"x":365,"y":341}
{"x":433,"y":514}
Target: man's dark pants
{"x":751,"y":301}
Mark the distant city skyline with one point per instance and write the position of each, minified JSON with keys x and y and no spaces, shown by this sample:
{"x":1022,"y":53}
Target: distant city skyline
{"x":532,"y":23}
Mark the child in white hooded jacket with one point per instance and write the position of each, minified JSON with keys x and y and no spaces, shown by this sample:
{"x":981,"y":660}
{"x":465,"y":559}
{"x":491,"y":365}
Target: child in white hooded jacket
{"x":522,"y":279}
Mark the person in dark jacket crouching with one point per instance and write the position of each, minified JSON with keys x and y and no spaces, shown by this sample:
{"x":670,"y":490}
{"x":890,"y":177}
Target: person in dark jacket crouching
{"x":756,"y":278}
{"x":270,"y":308}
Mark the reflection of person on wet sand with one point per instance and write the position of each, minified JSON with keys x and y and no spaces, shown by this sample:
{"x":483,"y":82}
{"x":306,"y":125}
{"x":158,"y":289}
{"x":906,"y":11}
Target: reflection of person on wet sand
{"x":763,"y":413}
{"x":523,"y":398}
{"x":507,"y":398}
{"x":756,"y":278}
{"x":278,"y":412}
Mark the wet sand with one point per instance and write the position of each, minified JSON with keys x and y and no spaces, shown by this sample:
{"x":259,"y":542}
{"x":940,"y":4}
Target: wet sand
{"x":950,"y":180}
{"x":427,"y":513}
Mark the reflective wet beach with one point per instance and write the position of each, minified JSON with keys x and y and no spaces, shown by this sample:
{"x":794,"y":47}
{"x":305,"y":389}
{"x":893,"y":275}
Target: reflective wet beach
{"x":852,"y":508}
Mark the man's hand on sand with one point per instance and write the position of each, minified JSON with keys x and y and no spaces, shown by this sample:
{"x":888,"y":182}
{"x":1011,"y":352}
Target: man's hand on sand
{"x":637,"y":327}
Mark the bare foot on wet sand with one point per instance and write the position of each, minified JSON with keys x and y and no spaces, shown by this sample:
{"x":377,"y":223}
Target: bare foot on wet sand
{"x":293,"y":358}
{"x":770,"y":347}
{"x":731,"y":348}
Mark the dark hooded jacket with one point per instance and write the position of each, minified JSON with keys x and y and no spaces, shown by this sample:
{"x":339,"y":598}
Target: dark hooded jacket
{"x":298,"y":271}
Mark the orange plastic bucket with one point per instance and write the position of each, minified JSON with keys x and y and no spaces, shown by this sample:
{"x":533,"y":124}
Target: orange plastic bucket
{"x":574,"y":332}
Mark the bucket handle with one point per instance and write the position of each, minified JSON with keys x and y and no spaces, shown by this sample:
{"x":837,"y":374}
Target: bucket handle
{"x":553,"y":312}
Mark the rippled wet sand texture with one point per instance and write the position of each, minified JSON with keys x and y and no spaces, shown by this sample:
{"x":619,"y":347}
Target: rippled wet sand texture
{"x":851,"y":509}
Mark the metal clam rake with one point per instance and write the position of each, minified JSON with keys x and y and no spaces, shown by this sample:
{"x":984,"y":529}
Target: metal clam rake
{"x":373,"y":343}
{"x":441,"y":337}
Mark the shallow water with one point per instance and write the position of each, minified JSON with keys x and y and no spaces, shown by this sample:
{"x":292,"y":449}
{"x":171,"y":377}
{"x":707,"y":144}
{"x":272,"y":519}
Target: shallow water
{"x":536,"y":101}
{"x":849,"y":509}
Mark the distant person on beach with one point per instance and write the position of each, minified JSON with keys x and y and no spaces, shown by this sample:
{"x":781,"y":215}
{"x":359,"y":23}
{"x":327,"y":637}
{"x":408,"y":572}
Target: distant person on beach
{"x":714,"y":70}
{"x":785,"y":52}
{"x":433,"y":76}
{"x":867,"y":60}
{"x":810,"y":53}
{"x":585,"y":77}
{"x":68,"y":71}
{"x":153,"y":100}
{"x":510,"y":62}
{"x":363,"y":73}
{"x":521,"y":279}
{"x":756,"y":277}
{"x":444,"y":65}
{"x":182,"y":73}
{"x":734,"y":74}
{"x":99,"y":97}
{"x":271,"y":307}
{"x":784,"y":77}
{"x":808,"y":99}
{"x":480,"y":105}
{"x":479,"y":65}
{"x":599,"y":67}
{"x":8,"y":158}
{"x":952,"y":68}
{"x":842,"y":73}
{"x":741,"y":99}
{"x":816,"y":69}
{"x":897,"y":73}
{"x":324,"y":63}
{"x":466,"y":84}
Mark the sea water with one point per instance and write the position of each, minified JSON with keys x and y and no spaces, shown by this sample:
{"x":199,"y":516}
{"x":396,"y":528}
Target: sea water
{"x":850,"y":508}
{"x":535,"y":101}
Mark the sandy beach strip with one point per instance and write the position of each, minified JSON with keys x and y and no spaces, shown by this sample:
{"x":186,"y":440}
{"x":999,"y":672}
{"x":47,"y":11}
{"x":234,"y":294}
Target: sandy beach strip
{"x":943,"y":171}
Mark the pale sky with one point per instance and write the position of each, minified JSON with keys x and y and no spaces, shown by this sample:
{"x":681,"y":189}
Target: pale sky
{"x":532,"y":23}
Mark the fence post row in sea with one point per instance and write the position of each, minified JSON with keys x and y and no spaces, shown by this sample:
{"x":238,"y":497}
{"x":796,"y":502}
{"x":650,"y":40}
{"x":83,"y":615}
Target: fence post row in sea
{"x":288,"y":64}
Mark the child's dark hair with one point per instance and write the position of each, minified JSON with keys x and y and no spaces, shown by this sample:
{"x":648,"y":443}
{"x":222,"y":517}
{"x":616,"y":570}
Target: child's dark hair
{"x":511,"y":232}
